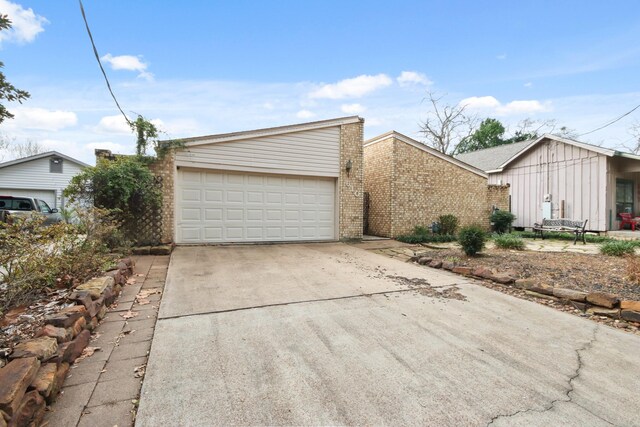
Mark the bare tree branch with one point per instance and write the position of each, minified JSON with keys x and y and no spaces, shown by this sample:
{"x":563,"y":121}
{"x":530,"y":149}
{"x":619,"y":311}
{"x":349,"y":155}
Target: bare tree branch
{"x":446,"y":125}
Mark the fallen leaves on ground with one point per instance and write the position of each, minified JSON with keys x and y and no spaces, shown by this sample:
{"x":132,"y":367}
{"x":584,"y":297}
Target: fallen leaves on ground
{"x":143,"y":296}
{"x":139,"y":371}
{"x":129,"y":314}
{"x":131,"y":281}
{"x":87,"y":352}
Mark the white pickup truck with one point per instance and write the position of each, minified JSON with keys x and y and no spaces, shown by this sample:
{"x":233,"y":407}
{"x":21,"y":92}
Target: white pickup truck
{"x":11,"y":206}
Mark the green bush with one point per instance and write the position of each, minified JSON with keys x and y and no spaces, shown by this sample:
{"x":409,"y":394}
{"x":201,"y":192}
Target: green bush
{"x":502,"y":221}
{"x":618,"y":248}
{"x":509,"y":241}
{"x":423,"y":234}
{"x":448,"y":224}
{"x":472,"y":239}
{"x":34,"y":257}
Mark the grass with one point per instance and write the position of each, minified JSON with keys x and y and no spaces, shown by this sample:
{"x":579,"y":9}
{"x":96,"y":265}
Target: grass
{"x":509,"y":241}
{"x":422,"y":234}
{"x":619,"y":247}
{"x":590,"y":238}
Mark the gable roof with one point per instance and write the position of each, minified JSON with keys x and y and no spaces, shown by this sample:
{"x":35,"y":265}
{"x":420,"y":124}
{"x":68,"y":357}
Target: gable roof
{"x":225,"y":137}
{"x":42,"y":156}
{"x":423,"y":147}
{"x":492,"y":158}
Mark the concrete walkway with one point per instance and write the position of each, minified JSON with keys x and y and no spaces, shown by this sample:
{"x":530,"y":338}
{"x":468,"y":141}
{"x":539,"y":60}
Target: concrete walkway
{"x":102,"y":390}
{"x":333,"y":334}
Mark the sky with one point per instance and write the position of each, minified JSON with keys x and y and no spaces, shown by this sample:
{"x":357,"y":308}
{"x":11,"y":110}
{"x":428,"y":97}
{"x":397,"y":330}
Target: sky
{"x":205,"y":67}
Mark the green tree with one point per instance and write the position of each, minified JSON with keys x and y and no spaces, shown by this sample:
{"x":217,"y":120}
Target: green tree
{"x":8,"y":91}
{"x":489,"y":134}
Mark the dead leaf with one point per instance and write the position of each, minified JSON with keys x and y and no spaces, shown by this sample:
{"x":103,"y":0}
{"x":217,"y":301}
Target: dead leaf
{"x":131,"y":281}
{"x":140,"y":275}
{"x":142,"y":301}
{"x":139,"y":371}
{"x":87,"y":352}
{"x":129,"y":314}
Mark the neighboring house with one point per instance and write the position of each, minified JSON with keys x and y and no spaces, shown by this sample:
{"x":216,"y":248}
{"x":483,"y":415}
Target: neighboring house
{"x":292,"y":183}
{"x":43,"y":176}
{"x":411,"y":184}
{"x":554,"y":177}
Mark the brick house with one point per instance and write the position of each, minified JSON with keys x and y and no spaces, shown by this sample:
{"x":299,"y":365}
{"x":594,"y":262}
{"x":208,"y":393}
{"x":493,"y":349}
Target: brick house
{"x":411,"y":184}
{"x":300,"y":182}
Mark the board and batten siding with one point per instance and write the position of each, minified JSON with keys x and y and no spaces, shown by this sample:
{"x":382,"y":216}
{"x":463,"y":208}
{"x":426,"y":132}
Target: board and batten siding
{"x":310,"y":153}
{"x":35,"y":175}
{"x":567,"y":173}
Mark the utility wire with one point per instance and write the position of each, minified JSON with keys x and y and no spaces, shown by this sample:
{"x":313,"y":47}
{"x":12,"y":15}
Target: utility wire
{"x":95,"y":52}
{"x":611,"y":122}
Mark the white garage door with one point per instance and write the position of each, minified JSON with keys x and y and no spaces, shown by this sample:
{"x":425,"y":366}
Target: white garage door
{"x":48,"y":196}
{"x":215,"y":207}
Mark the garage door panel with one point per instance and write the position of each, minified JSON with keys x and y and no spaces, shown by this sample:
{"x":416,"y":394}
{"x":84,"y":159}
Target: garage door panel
{"x":233,"y":207}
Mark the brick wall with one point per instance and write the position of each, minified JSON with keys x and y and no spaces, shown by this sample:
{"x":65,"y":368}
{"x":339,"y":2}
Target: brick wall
{"x":350,"y":184}
{"x":423,"y":187}
{"x":378,"y":176}
{"x":165,"y":169}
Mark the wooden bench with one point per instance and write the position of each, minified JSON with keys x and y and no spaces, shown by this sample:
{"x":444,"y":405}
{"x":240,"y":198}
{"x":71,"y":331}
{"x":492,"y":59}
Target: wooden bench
{"x":561,"y":226}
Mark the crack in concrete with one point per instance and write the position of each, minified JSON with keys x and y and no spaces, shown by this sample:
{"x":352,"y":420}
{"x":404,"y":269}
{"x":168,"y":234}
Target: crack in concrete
{"x":570,"y":387}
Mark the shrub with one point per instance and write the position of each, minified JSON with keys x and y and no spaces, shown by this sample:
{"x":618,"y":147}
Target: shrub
{"x":590,"y":238}
{"x":448,"y":224}
{"x":423,"y":234}
{"x":472,"y":239}
{"x":618,"y":248}
{"x":502,"y":221}
{"x":633,"y":269}
{"x":509,"y":241}
{"x":34,"y":257}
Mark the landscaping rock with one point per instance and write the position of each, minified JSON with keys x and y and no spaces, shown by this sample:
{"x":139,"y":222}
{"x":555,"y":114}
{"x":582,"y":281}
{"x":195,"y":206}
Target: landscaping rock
{"x":630,"y":315}
{"x":448,"y":265}
{"x":502,"y":278}
{"x":93,"y":324}
{"x":124,"y":269}
{"x":60,"y":334}
{"x":41,"y":348}
{"x":570,"y":294}
{"x":630,"y":305}
{"x":602,"y":299}
{"x":117,"y":277}
{"x":45,"y":378}
{"x":463,"y":270}
{"x":76,"y":309}
{"x":524,"y":283}
{"x":424,"y":260}
{"x":30,"y":412}
{"x":109,"y":296}
{"x":78,"y":326}
{"x":435,"y":264}
{"x":61,"y":374}
{"x":142,"y":250}
{"x":541,"y":289}
{"x":14,"y":380}
{"x":160,"y":250}
{"x":96,"y":286}
{"x":102,"y":313}
{"x":81,"y":297}
{"x":70,"y":351}
{"x":483,"y":272}
{"x":579,"y":305}
{"x":63,"y":320}
{"x":539,"y":295}
{"x":601,"y":311}
{"x":95,"y":307}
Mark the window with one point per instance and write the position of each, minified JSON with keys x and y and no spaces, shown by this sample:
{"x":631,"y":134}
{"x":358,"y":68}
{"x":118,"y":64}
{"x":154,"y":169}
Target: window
{"x":624,"y":196}
{"x":44,"y":207}
{"x":55,"y":165}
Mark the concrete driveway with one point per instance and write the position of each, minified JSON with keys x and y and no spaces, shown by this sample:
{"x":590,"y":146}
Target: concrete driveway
{"x":333,"y":334}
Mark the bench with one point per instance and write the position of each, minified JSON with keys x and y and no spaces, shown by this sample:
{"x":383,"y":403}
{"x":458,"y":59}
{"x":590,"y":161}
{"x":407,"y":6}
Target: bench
{"x":562,"y":226}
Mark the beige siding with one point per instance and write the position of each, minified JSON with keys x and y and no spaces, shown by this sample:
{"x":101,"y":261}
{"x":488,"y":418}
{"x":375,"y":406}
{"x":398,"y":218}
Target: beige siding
{"x":35,"y":175}
{"x":569,"y":174}
{"x":310,"y":152}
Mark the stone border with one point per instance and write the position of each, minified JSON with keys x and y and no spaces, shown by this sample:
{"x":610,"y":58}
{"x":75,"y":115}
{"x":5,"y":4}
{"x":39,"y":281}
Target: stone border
{"x":592,"y":303}
{"x":38,"y":367}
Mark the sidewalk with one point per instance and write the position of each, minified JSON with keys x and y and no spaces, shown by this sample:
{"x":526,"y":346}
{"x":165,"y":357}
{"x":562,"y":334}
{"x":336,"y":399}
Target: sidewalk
{"x":102,"y":390}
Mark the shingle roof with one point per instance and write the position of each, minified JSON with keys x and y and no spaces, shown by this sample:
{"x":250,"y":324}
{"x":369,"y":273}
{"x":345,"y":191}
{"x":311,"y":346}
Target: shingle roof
{"x":492,"y":158}
{"x":40,"y":156}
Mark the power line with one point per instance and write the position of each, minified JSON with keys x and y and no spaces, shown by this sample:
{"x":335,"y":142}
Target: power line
{"x":611,"y":122}
{"x":95,"y":52}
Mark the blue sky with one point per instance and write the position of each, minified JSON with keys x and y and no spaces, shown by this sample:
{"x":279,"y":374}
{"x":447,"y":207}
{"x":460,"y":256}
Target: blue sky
{"x":204,"y":67}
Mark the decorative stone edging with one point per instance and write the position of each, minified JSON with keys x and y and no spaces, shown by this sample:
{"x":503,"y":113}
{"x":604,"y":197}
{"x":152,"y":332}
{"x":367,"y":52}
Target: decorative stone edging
{"x":593,"y":303}
{"x":38,"y":367}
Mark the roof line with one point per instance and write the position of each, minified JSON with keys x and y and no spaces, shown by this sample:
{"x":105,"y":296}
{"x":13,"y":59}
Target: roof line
{"x":423,"y":147}
{"x":223,"y":137}
{"x":41,"y":156}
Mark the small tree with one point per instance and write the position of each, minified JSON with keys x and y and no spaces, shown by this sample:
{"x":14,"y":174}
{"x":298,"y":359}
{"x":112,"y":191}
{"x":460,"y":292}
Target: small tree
{"x":446,"y":126}
{"x":8,"y":91}
{"x":502,"y":221}
{"x":472,"y":239}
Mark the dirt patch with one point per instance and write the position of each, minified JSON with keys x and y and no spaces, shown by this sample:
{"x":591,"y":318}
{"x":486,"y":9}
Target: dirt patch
{"x":423,"y":287}
{"x":584,"y":272}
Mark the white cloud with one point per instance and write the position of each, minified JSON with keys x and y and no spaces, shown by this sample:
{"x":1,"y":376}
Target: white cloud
{"x":25,"y":24}
{"x":352,"y":88}
{"x":407,"y":78}
{"x":502,"y":56}
{"x":305,"y":114}
{"x":480,"y":102}
{"x":352,"y":108}
{"x":40,"y":118}
{"x":128,"y":63}
{"x":491,"y":104}
{"x":528,"y":84}
{"x":113,"y":124}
